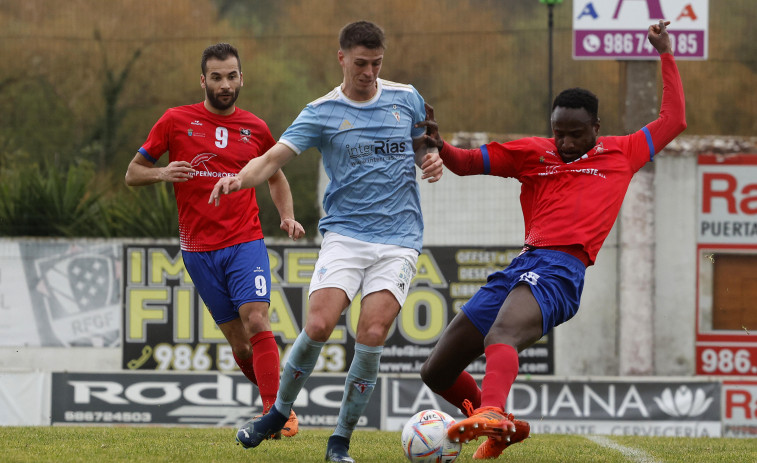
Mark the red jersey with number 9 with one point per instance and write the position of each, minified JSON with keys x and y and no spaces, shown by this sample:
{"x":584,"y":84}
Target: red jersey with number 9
{"x":216,"y":146}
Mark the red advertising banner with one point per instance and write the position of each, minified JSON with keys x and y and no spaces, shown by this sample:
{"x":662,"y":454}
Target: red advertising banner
{"x":726,"y":336}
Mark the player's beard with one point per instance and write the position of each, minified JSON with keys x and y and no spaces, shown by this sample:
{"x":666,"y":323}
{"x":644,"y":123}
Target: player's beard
{"x":216,"y":102}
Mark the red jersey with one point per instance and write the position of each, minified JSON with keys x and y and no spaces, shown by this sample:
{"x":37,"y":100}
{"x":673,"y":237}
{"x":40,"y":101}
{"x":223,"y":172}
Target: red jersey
{"x":572,"y":206}
{"x":216,"y":146}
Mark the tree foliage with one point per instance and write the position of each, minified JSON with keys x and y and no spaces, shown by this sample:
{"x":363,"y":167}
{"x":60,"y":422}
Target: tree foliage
{"x":85,"y":80}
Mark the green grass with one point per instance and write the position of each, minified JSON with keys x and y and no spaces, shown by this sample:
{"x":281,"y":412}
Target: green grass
{"x":63,"y":444}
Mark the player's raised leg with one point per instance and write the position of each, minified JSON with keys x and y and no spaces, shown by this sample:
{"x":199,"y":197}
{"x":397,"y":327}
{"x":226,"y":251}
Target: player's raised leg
{"x":444,"y":370}
{"x":518,"y":324}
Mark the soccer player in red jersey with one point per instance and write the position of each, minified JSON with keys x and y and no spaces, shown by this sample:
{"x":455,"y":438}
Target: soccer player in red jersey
{"x":222,"y":247}
{"x":572,"y":187}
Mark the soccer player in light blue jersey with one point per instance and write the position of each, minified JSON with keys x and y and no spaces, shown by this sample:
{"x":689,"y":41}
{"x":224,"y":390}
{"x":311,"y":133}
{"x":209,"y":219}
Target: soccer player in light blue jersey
{"x":372,"y":232}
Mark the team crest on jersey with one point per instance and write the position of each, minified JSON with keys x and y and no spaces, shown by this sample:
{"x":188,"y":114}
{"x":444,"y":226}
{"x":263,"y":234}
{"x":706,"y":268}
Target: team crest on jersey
{"x":246,"y":134}
{"x":396,"y":115}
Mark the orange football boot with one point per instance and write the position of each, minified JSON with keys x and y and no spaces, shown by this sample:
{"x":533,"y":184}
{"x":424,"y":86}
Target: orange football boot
{"x":484,"y":421}
{"x":493,"y":446}
{"x":292,"y":425}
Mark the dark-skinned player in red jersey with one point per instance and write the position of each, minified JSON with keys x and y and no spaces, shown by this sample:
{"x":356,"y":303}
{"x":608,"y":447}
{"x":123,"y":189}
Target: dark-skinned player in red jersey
{"x":572,"y":187}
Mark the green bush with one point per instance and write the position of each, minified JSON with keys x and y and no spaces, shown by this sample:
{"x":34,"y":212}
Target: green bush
{"x":75,"y":201}
{"x":48,"y":200}
{"x":144,"y":212}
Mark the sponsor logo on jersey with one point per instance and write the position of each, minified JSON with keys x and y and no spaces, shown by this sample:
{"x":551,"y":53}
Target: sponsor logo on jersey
{"x":345,"y":125}
{"x":200,"y":165}
{"x":377,"y":147}
{"x":200,"y":161}
{"x":196,"y":123}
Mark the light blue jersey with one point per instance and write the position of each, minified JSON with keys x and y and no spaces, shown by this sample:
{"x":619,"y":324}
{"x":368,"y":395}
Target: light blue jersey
{"x":368,"y":155}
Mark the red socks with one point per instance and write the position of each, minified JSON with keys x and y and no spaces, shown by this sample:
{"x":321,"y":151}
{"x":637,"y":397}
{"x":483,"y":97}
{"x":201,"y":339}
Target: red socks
{"x":465,"y":387}
{"x":501,"y":370}
{"x":265,"y":361}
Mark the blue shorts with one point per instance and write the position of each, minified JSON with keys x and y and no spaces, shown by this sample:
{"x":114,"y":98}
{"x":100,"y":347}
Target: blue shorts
{"x":556,"y":280}
{"x":229,"y":277}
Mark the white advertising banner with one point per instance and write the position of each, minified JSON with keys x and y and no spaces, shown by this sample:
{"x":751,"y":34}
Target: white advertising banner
{"x":18,"y":326}
{"x":60,"y":293}
{"x":25,"y":399}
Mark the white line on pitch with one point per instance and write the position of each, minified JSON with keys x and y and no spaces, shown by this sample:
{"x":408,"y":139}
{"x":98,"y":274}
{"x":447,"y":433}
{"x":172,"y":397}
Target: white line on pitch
{"x":636,"y":455}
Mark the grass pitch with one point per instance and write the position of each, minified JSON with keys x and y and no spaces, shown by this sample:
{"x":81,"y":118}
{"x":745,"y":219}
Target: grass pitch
{"x":64,"y":444}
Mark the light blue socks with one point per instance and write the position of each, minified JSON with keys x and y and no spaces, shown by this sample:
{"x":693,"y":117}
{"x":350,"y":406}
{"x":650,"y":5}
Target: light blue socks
{"x":361,"y":380}
{"x":299,"y":366}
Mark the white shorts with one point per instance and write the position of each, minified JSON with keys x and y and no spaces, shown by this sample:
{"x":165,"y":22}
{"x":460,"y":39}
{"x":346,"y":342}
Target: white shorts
{"x":353,"y":265}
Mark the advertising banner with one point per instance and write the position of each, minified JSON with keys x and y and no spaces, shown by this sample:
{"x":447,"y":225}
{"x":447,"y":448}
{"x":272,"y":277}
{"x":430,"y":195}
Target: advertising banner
{"x":24,"y":398}
{"x":726,"y":259}
{"x":740,"y":409}
{"x":60,"y":293}
{"x":617,"y":29}
{"x":616,"y":407}
{"x":167,"y":327}
{"x":197,"y":399}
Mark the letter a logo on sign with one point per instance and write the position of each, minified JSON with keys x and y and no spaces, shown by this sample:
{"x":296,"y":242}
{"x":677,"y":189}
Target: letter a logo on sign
{"x":687,"y":12}
{"x":588,"y":11}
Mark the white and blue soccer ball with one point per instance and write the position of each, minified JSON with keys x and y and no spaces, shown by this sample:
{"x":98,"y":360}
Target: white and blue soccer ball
{"x":424,"y":438}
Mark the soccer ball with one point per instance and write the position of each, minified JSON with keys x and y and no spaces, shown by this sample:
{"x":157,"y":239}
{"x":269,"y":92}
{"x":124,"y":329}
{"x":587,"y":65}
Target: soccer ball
{"x":424,"y":438}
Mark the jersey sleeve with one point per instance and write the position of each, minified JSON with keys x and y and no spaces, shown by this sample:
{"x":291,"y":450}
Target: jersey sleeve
{"x":157,"y":141}
{"x":419,"y":113}
{"x":305,"y":131}
{"x":500,"y":159}
{"x":651,"y":139}
{"x":505,"y":159}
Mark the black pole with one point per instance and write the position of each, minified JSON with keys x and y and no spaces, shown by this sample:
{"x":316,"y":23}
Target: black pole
{"x":550,"y":24}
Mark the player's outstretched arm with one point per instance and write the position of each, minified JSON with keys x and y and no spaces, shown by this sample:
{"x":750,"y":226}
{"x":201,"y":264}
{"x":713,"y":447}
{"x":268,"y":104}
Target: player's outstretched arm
{"x":281,"y":195}
{"x":142,"y":172}
{"x":672,"y":119}
{"x":254,"y":173}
